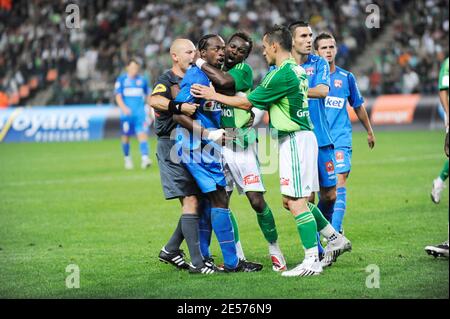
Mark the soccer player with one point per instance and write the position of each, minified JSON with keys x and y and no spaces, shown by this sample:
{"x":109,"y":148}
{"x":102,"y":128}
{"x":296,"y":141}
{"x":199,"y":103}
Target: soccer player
{"x":438,"y":183}
{"x":343,"y":89}
{"x":202,"y":156}
{"x":131,"y":90}
{"x":240,"y":155}
{"x":177,"y":182}
{"x":283,"y":92}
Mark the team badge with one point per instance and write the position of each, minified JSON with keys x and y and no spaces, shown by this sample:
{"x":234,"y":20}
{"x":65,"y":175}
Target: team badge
{"x":338,"y":83}
{"x":138,"y":82}
{"x":309,"y":71}
{"x":329,"y":167}
{"x":339,"y":156}
{"x":160,"y":88}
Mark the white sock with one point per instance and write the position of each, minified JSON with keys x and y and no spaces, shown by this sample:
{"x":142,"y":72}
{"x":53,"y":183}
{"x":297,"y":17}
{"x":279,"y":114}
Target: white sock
{"x":330,"y":233}
{"x":312,"y":252}
{"x":127,"y":158}
{"x":274,"y":248}
{"x":240,"y":251}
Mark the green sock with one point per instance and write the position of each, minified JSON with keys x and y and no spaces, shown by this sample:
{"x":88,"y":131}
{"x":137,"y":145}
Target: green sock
{"x":267,"y":224}
{"x":307,"y":228}
{"x":444,"y":172}
{"x":235,"y":227}
{"x":321,"y":221}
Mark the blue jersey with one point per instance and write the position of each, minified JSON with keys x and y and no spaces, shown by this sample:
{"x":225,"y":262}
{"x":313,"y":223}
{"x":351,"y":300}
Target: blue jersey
{"x":133,"y":92}
{"x":318,"y":72}
{"x":209,"y":112}
{"x":343,"y":88}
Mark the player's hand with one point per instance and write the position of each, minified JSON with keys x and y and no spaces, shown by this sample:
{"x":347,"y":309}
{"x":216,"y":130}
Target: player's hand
{"x":371,"y":140}
{"x":126,"y":111}
{"x":189,"y":108}
{"x":203,"y":92}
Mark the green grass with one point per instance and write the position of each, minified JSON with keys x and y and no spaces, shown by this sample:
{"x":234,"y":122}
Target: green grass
{"x":73,"y":203}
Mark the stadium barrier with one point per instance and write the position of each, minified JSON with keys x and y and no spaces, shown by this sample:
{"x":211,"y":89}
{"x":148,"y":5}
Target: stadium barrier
{"x":96,"y":122}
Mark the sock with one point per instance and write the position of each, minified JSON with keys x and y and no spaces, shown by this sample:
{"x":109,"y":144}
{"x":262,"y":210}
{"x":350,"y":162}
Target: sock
{"x":239,"y":250}
{"x":189,"y":226}
{"x":330,"y":233}
{"x":267,"y":224}
{"x":205,"y":228}
{"x":307,"y":229}
{"x":319,"y":244}
{"x":339,"y":208}
{"x":444,"y":172}
{"x":126,"y":149}
{"x":223,"y":228}
{"x":320,"y":219}
{"x":143,"y":147}
{"x":177,"y":238}
{"x":326,"y":208}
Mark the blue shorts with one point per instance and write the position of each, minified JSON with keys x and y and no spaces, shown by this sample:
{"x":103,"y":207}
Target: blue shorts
{"x":343,"y":157}
{"x":207,"y":174}
{"x":133,"y":124}
{"x":326,"y":163}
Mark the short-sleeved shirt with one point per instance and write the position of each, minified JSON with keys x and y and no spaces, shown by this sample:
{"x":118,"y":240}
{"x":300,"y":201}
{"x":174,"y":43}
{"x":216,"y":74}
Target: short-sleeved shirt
{"x":133,"y":92}
{"x":164,"y":123}
{"x":318,"y":72}
{"x":443,"y":76}
{"x":343,"y":88}
{"x":242,"y":75}
{"x":283,"y":92}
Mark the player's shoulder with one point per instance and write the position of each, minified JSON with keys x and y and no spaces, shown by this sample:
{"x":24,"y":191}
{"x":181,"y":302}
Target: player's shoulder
{"x":342,"y":72}
{"x":121,"y":77}
{"x":312,"y":58}
{"x":168,"y":78}
{"x":244,"y":66}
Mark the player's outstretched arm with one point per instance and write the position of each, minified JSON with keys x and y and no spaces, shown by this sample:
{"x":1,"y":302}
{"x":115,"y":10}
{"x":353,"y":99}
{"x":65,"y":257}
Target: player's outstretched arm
{"x":209,"y":93}
{"x":318,"y":92}
{"x":161,"y":103}
{"x":361,"y":113}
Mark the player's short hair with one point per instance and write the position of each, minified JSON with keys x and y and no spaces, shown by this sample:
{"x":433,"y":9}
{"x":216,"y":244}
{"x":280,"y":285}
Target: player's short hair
{"x":322,"y":36}
{"x":136,"y":60}
{"x":202,"y":44}
{"x":280,"y":34}
{"x":296,"y":24}
{"x":244,"y":36}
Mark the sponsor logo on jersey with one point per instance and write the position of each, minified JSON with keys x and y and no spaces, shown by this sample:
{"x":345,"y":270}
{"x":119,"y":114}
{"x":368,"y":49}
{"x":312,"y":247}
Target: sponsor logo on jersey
{"x":160,"y":88}
{"x":302,"y":113}
{"x":284,"y":181}
{"x":133,"y":92}
{"x":338,"y":83}
{"x":339,"y":156}
{"x":329,"y":167}
{"x":211,"y":106}
{"x":251,"y":179}
{"x":334,"y":102}
{"x":309,"y":71}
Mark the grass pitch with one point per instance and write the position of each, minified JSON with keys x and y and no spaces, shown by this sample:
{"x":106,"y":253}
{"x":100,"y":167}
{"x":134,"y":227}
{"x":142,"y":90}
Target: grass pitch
{"x":73,"y":203}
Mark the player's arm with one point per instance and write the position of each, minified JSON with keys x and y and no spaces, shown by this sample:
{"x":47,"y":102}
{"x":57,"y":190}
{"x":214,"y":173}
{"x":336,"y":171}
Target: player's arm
{"x":323,"y":83}
{"x":193,"y":126}
{"x":122,"y":105}
{"x":162,"y":103}
{"x":209,"y":93}
{"x":363,"y":117}
{"x":220,"y":79}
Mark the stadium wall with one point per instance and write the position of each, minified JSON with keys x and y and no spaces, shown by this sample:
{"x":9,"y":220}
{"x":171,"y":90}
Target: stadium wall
{"x":61,"y":123}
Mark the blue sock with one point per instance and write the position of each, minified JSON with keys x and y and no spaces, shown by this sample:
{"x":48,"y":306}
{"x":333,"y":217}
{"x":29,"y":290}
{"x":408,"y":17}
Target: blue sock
{"x":205,"y":228}
{"x":326,"y":209}
{"x":223,"y":228}
{"x":339,"y":208}
{"x":319,"y":245}
{"x":126,"y":149}
{"x":143,"y":147}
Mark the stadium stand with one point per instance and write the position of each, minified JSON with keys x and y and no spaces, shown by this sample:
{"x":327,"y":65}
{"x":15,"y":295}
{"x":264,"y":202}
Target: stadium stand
{"x":39,"y":53}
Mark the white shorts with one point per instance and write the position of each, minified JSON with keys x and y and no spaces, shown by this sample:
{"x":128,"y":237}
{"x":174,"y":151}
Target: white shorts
{"x":241,"y":168}
{"x":298,"y":153}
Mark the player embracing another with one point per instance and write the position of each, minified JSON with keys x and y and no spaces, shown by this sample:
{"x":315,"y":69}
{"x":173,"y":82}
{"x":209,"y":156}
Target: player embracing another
{"x":283,"y":92}
{"x":343,"y":90}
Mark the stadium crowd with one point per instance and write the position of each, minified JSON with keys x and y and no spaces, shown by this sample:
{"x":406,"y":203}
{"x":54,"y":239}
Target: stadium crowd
{"x":37,"y":50}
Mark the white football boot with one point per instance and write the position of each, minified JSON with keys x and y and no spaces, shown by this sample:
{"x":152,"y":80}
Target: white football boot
{"x":146,"y":162}
{"x":334,"y":249}
{"x":278,"y":261}
{"x":310,"y":266}
{"x":128,"y":163}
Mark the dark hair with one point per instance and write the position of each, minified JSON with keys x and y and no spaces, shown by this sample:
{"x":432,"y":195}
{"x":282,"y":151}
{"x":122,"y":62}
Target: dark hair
{"x":203,"y":42}
{"x":280,"y":34}
{"x":244,"y":36}
{"x":136,"y":60}
{"x":322,"y":36}
{"x":296,"y":24}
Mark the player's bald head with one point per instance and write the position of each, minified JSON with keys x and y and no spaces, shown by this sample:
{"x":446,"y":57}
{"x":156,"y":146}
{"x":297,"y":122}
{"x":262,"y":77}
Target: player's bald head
{"x":181,"y":45}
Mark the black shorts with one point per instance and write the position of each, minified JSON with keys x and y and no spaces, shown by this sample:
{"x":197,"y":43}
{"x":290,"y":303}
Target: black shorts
{"x":175,"y":178}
